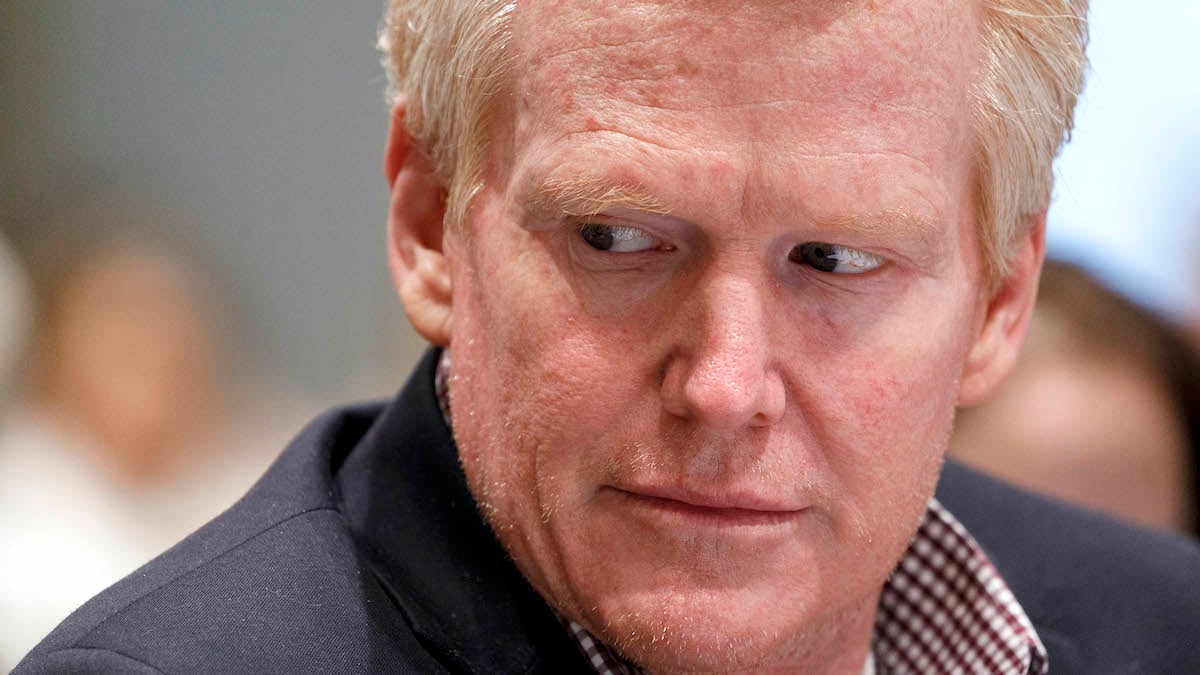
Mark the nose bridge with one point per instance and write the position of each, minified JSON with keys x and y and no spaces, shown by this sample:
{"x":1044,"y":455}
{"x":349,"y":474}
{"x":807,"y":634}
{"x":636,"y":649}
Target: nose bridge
{"x":721,"y":376}
{"x":731,"y":326}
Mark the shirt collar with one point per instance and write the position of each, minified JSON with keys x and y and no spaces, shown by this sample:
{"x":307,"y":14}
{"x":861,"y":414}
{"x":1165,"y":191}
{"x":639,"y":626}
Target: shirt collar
{"x":945,"y":609}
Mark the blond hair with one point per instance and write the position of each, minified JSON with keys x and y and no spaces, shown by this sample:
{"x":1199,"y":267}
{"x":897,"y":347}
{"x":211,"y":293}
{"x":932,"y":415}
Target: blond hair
{"x":446,"y":60}
{"x":1031,"y":74}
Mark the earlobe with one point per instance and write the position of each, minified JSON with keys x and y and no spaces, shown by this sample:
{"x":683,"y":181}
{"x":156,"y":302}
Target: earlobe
{"x":1002,"y":333}
{"x":415,"y":235}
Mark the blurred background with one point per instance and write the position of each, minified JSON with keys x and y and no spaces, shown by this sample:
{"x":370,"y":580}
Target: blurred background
{"x":191,"y":265}
{"x":192,"y":215}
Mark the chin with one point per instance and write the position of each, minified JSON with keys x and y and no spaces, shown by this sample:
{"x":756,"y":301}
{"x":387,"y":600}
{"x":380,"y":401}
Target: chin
{"x":702,"y":631}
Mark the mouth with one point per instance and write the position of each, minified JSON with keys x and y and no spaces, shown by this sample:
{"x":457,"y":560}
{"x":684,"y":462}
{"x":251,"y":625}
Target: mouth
{"x":711,"y":510}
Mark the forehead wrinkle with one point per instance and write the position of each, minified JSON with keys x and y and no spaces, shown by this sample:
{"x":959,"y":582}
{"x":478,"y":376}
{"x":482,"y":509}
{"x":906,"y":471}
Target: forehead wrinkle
{"x":633,"y":33}
{"x":542,"y":58}
{"x":638,"y":42}
{"x":616,"y":73}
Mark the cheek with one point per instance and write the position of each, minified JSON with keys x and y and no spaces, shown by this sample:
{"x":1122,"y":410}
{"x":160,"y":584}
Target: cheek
{"x":524,"y":325}
{"x":534,"y":428}
{"x":524,"y":392}
{"x":893,"y":396}
{"x":887,"y":417}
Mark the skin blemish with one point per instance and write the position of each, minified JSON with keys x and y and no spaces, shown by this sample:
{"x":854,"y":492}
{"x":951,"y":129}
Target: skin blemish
{"x":687,"y":68}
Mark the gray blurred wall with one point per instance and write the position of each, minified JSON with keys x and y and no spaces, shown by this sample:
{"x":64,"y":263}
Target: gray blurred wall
{"x":263,"y":122}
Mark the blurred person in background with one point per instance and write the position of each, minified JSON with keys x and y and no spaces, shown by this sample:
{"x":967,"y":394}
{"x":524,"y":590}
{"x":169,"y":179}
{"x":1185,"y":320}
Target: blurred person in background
{"x":15,"y":317}
{"x":1103,"y":408}
{"x":111,"y":452}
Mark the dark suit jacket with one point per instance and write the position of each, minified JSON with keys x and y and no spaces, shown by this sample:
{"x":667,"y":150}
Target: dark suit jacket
{"x":361,"y":550}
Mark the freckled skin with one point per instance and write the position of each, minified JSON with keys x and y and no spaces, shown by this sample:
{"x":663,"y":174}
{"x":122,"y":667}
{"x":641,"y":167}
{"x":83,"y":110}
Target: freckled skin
{"x":718,"y":367}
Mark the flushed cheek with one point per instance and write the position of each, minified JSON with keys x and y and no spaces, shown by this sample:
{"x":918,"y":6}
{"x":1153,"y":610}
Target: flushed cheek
{"x":901,"y":426}
{"x":885,"y":400}
{"x":897,"y":374}
{"x":885,"y":419}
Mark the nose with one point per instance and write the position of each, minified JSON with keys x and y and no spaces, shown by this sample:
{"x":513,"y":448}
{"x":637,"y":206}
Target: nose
{"x":720,"y":373}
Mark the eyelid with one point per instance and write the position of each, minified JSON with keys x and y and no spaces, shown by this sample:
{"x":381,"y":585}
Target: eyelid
{"x":623,"y":227}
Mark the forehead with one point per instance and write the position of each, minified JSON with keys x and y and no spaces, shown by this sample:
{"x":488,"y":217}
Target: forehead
{"x":748,"y":87}
{"x":889,"y":52}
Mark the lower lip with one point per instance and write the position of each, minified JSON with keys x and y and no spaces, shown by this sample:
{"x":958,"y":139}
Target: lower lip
{"x":706,"y":516}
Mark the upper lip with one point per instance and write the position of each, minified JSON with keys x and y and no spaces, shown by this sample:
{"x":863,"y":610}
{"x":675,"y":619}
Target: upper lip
{"x":724,"y":500}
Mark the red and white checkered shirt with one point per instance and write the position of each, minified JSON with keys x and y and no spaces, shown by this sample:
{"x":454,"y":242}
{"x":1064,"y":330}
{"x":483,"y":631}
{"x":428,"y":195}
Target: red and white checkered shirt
{"x":944,"y":609}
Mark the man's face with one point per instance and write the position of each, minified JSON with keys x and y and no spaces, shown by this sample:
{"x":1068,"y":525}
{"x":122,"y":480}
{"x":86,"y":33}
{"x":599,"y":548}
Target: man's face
{"x":697,"y":434}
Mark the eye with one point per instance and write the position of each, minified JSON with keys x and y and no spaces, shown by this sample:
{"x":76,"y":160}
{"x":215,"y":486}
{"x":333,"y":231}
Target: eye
{"x":617,"y":238}
{"x":833,"y":258}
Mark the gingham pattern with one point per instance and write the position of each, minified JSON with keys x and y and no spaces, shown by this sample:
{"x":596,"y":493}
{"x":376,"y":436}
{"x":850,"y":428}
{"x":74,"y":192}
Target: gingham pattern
{"x":601,"y":658}
{"x":944,"y":610}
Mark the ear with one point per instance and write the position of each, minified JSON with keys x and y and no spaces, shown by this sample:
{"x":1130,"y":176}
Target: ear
{"x":415,"y":232}
{"x":1002,"y":332}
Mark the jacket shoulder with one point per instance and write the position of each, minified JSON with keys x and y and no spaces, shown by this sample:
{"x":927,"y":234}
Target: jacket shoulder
{"x":272,"y":585}
{"x":1105,"y":596}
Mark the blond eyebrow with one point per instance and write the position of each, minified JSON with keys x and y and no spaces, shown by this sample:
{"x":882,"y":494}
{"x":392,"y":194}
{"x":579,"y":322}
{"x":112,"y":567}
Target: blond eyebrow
{"x":588,"y":196}
{"x":888,"y":221}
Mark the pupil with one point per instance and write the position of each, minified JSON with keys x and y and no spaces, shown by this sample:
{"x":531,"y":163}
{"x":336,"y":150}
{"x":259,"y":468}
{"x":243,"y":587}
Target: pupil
{"x":820,"y":256}
{"x":597,"y":236}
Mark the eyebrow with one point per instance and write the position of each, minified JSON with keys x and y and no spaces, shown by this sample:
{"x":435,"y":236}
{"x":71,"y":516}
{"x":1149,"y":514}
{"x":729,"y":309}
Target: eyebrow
{"x":589,"y":195}
{"x":888,"y":222}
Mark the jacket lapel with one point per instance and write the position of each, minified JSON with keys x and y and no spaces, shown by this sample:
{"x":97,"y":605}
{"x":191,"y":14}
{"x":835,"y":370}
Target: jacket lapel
{"x":417,"y":525}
